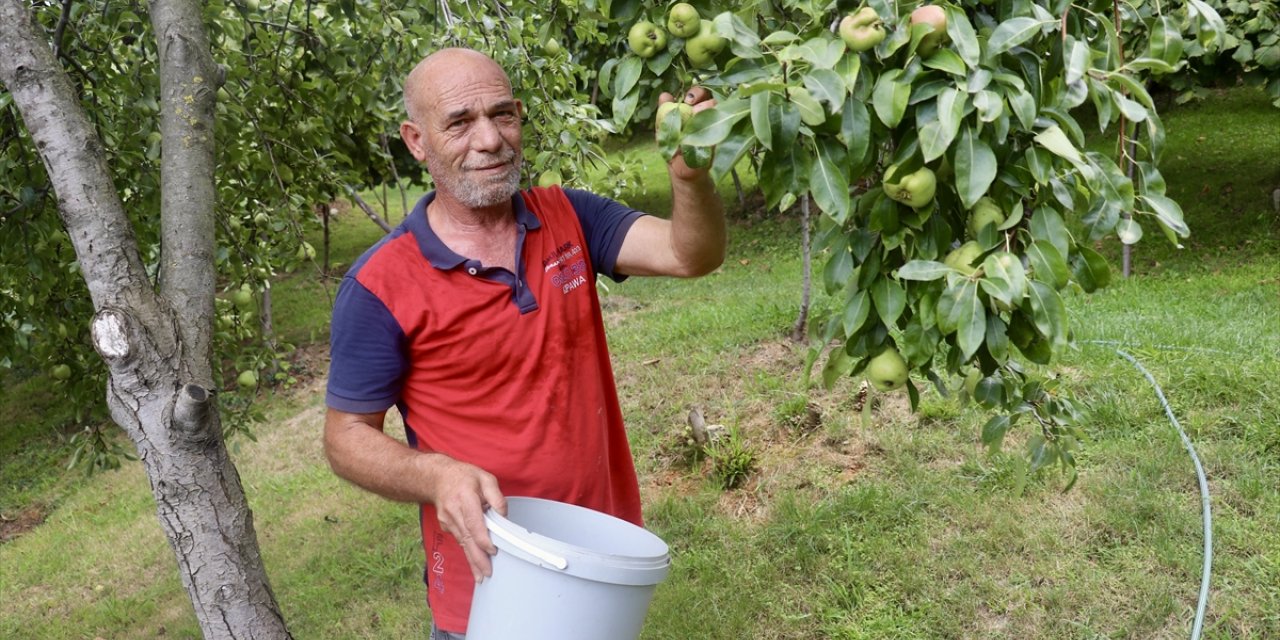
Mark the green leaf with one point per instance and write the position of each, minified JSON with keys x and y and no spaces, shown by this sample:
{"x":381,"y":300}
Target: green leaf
{"x":855,"y":126}
{"x":1056,"y":141}
{"x":1049,"y":313}
{"x":627,"y":75}
{"x":1047,"y":225}
{"x":1040,"y":164}
{"x":1022,"y":105}
{"x":827,"y":86}
{"x":962,"y":35}
{"x":1012,"y":33}
{"x":697,"y":157}
{"x":1081,"y":58}
{"x":624,"y":107}
{"x":1004,"y":277}
{"x":669,"y":134}
{"x":1132,"y":110}
{"x":890,"y":97}
{"x":1047,"y":264}
{"x":760,"y":123}
{"x":1168,"y":213}
{"x":989,"y":105}
{"x":937,"y":134}
{"x":975,"y":167}
{"x":839,"y":364}
{"x":1129,"y":231}
{"x":743,"y":40}
{"x":993,"y":432}
{"x":856,"y":311}
{"x":810,"y":109}
{"x":1165,"y":40}
{"x":972,"y":320}
{"x":946,"y":60}
{"x":1212,"y":29}
{"x":890,"y":299}
{"x":780,"y":38}
{"x":710,"y":126}
{"x":829,"y":186}
{"x":1150,"y":64}
{"x":729,"y":152}
{"x":922,"y":270}
{"x":1091,"y":270}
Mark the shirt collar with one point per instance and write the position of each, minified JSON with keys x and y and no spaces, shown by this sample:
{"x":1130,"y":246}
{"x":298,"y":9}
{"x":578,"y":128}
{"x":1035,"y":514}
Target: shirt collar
{"x":434,"y":249}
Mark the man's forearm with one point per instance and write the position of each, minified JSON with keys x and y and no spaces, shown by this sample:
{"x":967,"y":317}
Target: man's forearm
{"x":698,"y":236}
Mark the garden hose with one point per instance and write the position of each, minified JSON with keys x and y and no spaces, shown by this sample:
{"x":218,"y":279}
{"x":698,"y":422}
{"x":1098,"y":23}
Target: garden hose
{"x":1198,"y":624}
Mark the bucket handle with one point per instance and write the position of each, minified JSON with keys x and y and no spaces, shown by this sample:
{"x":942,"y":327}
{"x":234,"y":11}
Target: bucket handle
{"x":541,"y":554}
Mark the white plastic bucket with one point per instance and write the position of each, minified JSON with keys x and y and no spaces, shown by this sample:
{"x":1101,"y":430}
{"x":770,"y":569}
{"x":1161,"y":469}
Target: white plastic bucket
{"x":565,"y":572}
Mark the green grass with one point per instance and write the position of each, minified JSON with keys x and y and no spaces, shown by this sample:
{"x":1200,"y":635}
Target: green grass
{"x":900,"y":527}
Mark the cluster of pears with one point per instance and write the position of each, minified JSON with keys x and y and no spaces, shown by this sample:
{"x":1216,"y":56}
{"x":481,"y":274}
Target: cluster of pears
{"x":701,"y":43}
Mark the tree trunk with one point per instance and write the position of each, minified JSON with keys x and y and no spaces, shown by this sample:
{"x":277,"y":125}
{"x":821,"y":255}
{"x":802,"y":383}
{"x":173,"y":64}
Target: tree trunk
{"x":158,"y":346}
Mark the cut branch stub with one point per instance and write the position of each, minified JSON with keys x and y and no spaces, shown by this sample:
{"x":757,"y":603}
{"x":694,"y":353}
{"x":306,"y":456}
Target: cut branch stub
{"x":111,"y":336}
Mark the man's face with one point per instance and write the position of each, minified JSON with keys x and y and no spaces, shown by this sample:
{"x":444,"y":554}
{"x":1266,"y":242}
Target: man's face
{"x":468,"y":133}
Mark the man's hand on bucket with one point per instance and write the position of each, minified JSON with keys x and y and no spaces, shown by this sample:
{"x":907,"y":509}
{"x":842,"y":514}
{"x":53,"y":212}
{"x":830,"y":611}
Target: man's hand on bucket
{"x":461,"y":492}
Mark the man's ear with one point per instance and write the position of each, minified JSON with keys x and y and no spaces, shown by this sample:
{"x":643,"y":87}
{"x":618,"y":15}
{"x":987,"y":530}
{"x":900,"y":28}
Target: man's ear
{"x":520,"y":109}
{"x":413,"y":139}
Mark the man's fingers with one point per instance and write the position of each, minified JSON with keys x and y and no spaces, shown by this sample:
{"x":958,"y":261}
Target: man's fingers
{"x":481,"y":565}
{"x":696,"y":95}
{"x":493,"y":495}
{"x":665,"y":97}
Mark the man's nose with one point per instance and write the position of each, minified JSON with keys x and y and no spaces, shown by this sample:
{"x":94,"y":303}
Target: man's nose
{"x":485,"y":135}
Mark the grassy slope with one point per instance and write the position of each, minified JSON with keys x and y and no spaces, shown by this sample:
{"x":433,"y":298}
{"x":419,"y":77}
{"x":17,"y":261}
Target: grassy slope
{"x":900,"y":528}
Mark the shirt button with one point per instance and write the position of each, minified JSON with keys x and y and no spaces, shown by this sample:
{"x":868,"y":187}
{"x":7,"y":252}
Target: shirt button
{"x":472,"y":271}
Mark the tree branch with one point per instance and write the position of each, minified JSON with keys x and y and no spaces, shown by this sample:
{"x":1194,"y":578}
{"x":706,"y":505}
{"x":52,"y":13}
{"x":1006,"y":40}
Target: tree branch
{"x":189,"y":82}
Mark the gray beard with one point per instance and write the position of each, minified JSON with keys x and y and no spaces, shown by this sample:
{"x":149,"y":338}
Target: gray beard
{"x":477,"y":194}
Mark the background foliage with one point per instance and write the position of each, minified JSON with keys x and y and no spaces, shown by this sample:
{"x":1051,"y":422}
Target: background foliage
{"x":310,"y":109}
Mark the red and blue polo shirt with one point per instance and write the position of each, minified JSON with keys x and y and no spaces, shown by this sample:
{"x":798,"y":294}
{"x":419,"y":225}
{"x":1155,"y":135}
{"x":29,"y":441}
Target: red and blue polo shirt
{"x":509,"y":372}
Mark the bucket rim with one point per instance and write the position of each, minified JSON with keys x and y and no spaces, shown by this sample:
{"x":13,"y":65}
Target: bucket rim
{"x":573,"y":559}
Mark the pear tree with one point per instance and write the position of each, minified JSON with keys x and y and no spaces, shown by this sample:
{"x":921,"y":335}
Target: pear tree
{"x":960,"y":202}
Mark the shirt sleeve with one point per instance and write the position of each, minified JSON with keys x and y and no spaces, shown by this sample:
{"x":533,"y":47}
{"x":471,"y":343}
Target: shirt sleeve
{"x":368,"y":356}
{"x":605,"y":224}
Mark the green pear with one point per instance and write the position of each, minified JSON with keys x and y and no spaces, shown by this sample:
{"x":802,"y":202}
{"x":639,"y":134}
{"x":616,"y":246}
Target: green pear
{"x":549,"y":178}
{"x":962,"y":258}
{"x":887,"y":371}
{"x":985,"y":212}
{"x":934,"y":16}
{"x":702,"y":48}
{"x":686,"y":111}
{"x":683,"y":20}
{"x":646,"y":39}
{"x":862,"y":30}
{"x":915,"y":190}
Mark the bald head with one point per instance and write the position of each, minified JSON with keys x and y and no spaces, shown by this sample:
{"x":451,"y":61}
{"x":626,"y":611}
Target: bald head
{"x":446,"y":67}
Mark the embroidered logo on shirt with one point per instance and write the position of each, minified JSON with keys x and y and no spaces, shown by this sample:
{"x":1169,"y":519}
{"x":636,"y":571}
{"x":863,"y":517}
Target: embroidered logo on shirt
{"x":559,"y":256}
{"x":570,"y":273}
{"x":571,"y":276}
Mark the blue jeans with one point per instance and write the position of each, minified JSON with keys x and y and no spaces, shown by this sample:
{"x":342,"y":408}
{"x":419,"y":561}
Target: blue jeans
{"x":437,"y":634}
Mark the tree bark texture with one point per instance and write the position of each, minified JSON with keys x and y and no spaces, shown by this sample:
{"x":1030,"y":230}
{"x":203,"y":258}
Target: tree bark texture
{"x":156,"y":346}
{"x":189,"y":82}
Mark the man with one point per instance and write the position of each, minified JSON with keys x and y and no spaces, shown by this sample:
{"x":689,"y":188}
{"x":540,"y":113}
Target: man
{"x":478,"y":319}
